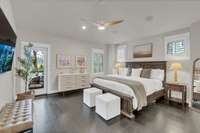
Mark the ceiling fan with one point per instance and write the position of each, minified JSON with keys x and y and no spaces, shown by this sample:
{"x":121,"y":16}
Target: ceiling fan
{"x":102,"y":25}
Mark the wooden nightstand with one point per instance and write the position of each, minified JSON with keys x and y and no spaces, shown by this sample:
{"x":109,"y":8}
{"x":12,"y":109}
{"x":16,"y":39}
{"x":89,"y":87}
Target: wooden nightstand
{"x":178,"y":87}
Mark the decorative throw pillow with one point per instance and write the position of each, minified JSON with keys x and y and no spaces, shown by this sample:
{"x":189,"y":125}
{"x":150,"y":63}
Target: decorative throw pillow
{"x":136,"y":72}
{"x":146,"y":73}
{"x":129,"y":71}
{"x":157,"y":74}
{"x":123,"y":71}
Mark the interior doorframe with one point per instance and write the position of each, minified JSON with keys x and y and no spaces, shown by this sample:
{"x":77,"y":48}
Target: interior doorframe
{"x":43,"y":45}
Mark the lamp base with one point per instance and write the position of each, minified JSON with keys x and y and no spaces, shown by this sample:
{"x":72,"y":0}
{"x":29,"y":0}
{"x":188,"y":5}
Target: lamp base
{"x":175,"y":76}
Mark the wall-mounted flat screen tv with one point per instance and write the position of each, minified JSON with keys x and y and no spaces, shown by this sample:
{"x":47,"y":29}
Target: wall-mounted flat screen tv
{"x":7,"y":43}
{"x":6,"y":57}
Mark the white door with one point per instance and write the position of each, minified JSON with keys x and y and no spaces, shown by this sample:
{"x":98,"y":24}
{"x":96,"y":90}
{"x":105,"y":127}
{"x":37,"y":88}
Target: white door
{"x":42,"y":53}
{"x":42,"y":74}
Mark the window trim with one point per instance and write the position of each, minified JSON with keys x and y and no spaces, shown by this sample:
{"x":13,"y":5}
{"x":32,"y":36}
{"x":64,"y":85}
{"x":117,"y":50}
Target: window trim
{"x":126,"y":53}
{"x":186,"y":38}
{"x":96,"y":50}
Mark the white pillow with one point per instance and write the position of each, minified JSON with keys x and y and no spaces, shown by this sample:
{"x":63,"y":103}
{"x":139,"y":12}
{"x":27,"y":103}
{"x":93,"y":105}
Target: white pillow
{"x":157,"y":74}
{"x":136,"y":72}
{"x":123,"y":71}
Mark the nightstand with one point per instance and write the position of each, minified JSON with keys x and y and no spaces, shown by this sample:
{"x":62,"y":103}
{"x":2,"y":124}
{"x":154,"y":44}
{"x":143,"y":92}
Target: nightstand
{"x":178,"y":87}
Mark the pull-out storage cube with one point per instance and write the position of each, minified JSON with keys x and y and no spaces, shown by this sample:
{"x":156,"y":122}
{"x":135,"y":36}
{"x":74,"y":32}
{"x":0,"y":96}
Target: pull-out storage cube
{"x":89,"y":96}
{"x":108,"y":106}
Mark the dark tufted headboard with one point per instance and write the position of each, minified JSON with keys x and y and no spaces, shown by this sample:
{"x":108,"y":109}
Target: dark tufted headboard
{"x":149,"y":65}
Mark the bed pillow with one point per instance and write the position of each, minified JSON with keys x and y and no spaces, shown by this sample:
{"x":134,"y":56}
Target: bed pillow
{"x":145,"y":73}
{"x":136,"y":72}
{"x":123,"y":72}
{"x":157,"y":74}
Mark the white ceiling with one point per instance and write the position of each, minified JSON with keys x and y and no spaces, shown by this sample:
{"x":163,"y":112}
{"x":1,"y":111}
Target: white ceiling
{"x":62,"y":17}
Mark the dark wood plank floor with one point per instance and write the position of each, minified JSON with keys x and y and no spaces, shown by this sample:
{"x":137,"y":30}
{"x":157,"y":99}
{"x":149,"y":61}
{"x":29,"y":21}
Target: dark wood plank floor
{"x":67,"y":114}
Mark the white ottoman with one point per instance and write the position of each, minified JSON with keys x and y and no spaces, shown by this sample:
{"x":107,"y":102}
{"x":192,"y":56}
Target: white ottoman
{"x":89,"y":96}
{"x":108,"y":106}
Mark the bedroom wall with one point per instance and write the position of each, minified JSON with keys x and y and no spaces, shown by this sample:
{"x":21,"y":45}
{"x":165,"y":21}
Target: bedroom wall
{"x":61,"y":45}
{"x":195,"y":41}
{"x":159,"y":55}
{"x":6,"y":79}
{"x":158,"y":45}
{"x":111,"y":58}
{"x":195,"y":44}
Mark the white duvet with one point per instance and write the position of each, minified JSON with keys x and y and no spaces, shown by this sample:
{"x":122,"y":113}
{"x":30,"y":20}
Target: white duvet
{"x":150,"y":85}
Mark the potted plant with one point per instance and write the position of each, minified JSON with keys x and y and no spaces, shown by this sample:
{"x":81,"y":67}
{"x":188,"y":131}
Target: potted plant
{"x":24,"y":72}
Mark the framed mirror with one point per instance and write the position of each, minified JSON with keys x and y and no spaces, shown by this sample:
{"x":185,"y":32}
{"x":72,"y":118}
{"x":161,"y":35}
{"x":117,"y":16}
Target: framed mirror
{"x":196,"y":84}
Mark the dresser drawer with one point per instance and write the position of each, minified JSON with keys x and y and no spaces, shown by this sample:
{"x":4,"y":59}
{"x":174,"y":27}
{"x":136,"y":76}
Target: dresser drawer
{"x":68,"y":83}
{"x":67,"y":88}
{"x":73,"y":82}
{"x":83,"y":81}
{"x":68,"y":79}
{"x":80,"y":77}
{"x":82,"y":85}
{"x":175,"y":87}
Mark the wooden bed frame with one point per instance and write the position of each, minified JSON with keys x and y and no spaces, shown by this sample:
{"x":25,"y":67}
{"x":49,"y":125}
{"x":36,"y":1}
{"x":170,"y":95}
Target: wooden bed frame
{"x":126,"y":100}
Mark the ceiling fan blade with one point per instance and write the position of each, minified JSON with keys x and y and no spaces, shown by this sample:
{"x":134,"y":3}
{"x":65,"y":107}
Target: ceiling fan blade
{"x":90,"y":22}
{"x":112,"y":23}
{"x":102,"y":24}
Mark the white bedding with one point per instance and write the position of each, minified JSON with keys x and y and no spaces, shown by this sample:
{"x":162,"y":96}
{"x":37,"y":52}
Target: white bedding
{"x":150,"y":85}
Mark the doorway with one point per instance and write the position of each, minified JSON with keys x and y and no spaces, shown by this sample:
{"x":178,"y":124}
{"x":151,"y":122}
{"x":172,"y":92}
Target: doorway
{"x":39,"y":76}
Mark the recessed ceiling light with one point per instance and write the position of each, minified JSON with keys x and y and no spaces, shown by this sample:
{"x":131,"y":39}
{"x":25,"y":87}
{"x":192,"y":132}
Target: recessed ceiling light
{"x":101,"y":27}
{"x":84,"y":27}
{"x":101,"y":2}
{"x":149,"y":18}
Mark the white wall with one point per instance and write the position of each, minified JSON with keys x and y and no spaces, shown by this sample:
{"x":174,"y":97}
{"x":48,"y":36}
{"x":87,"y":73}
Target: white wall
{"x":159,"y":55}
{"x":158,"y":45}
{"x":6,"y":79}
{"x":111,"y":58}
{"x":195,"y":44}
{"x":60,"y":45}
{"x":195,"y":41}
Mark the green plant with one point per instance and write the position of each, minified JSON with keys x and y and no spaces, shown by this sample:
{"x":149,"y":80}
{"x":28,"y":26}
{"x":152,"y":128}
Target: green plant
{"x":26,"y":64}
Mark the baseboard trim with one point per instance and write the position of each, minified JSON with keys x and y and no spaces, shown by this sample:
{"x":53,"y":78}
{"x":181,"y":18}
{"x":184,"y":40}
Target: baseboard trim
{"x":56,"y":93}
{"x":53,"y":91}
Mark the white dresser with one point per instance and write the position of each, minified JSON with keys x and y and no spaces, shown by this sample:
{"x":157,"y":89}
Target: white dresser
{"x":67,"y":82}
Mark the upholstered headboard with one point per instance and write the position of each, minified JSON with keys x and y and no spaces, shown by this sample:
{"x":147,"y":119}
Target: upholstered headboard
{"x":149,"y":65}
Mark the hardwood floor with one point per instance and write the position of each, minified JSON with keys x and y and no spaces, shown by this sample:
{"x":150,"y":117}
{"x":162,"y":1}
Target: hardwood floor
{"x":67,"y":114}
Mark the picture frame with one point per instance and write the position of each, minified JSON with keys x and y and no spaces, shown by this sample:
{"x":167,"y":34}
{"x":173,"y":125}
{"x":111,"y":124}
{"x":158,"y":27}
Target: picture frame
{"x":81,"y":61}
{"x":64,"y":61}
{"x":143,"y":51}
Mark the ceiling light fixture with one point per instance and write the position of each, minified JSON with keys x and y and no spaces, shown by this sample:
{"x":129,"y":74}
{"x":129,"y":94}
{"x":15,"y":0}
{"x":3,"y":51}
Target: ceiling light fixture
{"x":149,"y":18}
{"x":84,"y":27}
{"x":101,"y":27}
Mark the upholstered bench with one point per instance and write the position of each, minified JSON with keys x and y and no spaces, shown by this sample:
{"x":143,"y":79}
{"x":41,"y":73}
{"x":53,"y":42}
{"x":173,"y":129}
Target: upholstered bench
{"x":17,"y":117}
{"x":108,"y":106}
{"x":89,"y":96}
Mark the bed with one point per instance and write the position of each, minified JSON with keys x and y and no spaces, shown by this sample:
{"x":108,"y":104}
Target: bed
{"x":154,"y":89}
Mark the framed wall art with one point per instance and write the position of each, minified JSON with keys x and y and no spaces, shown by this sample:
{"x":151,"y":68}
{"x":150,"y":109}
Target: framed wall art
{"x":143,"y":51}
{"x":81,"y":61}
{"x":64,"y":61}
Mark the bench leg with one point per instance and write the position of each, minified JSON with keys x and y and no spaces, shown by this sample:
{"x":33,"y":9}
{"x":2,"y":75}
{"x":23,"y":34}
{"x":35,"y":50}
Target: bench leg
{"x":127,"y":108}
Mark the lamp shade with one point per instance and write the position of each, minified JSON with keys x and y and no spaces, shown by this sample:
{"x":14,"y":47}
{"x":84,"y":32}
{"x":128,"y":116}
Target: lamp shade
{"x":118,"y":65}
{"x":176,"y":66}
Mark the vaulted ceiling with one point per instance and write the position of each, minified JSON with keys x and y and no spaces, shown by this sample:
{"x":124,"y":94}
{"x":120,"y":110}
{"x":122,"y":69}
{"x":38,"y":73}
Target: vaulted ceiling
{"x":142,"y":17}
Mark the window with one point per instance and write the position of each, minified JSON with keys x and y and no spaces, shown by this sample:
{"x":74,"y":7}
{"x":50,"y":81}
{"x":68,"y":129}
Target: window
{"x":121,"y":53}
{"x":177,"y":47}
{"x":97,"y":61}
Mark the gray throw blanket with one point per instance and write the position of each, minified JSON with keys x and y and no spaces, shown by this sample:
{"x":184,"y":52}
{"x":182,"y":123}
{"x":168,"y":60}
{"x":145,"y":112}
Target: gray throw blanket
{"x":136,"y":86}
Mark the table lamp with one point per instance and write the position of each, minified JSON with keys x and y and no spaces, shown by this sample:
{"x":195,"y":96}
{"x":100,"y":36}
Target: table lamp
{"x":118,"y":66}
{"x":175,"y":67}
